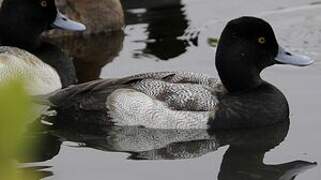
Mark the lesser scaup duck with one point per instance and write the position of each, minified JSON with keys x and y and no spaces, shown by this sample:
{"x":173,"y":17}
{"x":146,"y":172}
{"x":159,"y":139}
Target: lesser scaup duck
{"x":21,"y":24}
{"x":182,"y":100}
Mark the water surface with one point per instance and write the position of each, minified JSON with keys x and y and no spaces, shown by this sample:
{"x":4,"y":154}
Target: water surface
{"x":163,"y":35}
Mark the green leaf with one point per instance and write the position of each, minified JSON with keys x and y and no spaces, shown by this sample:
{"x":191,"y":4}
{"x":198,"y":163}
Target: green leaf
{"x":213,"y":42}
{"x":16,"y":111}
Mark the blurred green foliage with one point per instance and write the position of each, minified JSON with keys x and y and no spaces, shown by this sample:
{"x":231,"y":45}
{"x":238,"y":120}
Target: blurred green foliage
{"x":213,"y":42}
{"x":16,"y":111}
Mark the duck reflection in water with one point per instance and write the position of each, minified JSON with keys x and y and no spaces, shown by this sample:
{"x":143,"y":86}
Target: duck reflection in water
{"x":103,"y":39}
{"x":242,"y":160}
{"x":38,"y":172}
{"x":42,"y":146}
{"x":165,"y":32}
{"x":90,"y":53}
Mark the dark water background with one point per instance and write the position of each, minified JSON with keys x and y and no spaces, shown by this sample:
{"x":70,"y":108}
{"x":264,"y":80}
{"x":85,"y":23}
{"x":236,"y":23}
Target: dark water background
{"x":163,"y":35}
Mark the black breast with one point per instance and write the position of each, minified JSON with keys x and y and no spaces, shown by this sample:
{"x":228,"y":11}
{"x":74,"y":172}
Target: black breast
{"x":258,"y":107}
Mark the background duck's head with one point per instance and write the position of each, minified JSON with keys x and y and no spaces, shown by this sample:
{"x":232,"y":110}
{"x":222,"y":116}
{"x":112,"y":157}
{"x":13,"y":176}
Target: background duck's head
{"x":247,"y":46}
{"x":22,"y":21}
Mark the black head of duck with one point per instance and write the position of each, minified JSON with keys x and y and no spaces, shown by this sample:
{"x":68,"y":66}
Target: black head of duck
{"x":23,"y":21}
{"x":248,"y":45}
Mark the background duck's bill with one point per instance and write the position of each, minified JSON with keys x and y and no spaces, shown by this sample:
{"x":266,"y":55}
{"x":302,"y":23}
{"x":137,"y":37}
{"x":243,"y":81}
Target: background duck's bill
{"x":65,"y":23}
{"x":285,"y":57}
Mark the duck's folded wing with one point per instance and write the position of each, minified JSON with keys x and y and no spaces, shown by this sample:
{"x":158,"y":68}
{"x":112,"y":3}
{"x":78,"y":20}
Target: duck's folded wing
{"x":90,"y":95}
{"x":181,"y":77}
{"x":93,"y":94}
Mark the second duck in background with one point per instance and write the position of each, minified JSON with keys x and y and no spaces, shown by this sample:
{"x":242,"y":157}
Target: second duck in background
{"x":23,"y":30}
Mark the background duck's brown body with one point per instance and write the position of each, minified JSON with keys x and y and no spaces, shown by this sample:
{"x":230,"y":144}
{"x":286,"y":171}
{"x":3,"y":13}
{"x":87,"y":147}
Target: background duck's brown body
{"x":100,"y":16}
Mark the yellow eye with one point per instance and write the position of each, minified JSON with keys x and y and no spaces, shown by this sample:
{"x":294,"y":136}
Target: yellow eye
{"x":43,"y":3}
{"x":261,"y":40}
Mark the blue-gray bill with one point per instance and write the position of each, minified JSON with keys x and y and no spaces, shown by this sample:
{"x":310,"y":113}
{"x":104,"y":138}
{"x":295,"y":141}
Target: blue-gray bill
{"x":285,"y":57}
{"x":63,"y":22}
